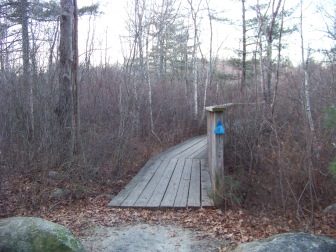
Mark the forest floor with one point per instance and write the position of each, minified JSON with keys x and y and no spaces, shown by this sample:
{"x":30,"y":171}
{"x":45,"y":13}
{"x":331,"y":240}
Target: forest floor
{"x":99,"y":227}
{"x":91,"y":220}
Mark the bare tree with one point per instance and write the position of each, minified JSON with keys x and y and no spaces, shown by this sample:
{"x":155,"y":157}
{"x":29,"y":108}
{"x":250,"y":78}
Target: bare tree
{"x":310,"y":134}
{"x":210,"y":65}
{"x":26,"y":64}
{"x":266,"y":26}
{"x":74,"y":72}
{"x":243,"y":77}
{"x":65,"y":107}
{"x":194,"y":15}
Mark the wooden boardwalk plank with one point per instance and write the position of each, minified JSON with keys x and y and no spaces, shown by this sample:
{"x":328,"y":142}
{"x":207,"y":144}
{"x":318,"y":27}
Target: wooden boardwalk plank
{"x":194,"y":196}
{"x":205,"y":185}
{"x":168,"y":152}
{"x":142,"y":183}
{"x":170,"y":195}
{"x":192,"y":149}
{"x":198,"y":152}
{"x":176,"y":178}
{"x":160,"y":190}
{"x":181,"y":199}
{"x":123,"y":194}
{"x":177,"y":151}
{"x":146,"y":194}
{"x":203,"y":154}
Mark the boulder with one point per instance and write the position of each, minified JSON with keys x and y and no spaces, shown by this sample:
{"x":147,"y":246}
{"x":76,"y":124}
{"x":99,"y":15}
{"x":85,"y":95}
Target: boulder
{"x":59,"y":193}
{"x":55,"y":175}
{"x":329,"y":209}
{"x":290,"y":242}
{"x":28,"y":234}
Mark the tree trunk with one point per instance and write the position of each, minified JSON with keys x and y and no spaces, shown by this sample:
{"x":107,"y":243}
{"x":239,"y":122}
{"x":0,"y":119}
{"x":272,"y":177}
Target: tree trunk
{"x":149,"y":85}
{"x":26,"y":65}
{"x":310,"y":137}
{"x":209,"y":70}
{"x":194,"y":54}
{"x":76,"y":118}
{"x":243,"y":78}
{"x":269,"y":65}
{"x":65,"y":106}
{"x":195,"y":80}
{"x":260,"y":51}
{"x":269,"y":69}
{"x":278,"y":61}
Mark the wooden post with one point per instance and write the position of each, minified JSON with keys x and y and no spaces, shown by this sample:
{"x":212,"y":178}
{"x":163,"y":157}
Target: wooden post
{"x":216,"y":150}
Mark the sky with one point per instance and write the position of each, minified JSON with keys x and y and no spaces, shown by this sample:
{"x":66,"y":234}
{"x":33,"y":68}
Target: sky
{"x":107,"y":29}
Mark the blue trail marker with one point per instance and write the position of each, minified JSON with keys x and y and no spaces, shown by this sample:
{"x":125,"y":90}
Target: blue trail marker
{"x":219,"y":130}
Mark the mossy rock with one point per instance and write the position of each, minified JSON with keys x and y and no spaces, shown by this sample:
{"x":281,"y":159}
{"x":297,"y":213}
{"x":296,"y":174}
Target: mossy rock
{"x":28,"y":234}
{"x":290,"y":242}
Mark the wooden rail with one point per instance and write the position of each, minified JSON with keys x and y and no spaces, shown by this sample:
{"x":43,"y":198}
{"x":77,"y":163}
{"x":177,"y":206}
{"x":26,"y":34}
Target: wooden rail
{"x":215,"y":117}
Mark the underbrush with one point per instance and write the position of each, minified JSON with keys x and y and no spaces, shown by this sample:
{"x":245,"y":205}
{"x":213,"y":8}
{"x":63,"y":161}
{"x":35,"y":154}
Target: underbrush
{"x":268,"y":164}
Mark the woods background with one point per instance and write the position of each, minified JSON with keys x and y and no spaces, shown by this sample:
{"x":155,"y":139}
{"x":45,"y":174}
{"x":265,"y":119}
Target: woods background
{"x":97,"y":123}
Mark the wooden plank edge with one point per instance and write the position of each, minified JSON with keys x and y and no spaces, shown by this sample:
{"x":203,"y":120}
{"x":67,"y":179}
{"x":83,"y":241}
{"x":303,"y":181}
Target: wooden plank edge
{"x":165,"y":153}
{"x":123,"y":194}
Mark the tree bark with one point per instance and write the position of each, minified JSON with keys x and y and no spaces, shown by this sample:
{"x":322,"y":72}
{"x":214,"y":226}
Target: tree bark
{"x":269,"y":65}
{"x":76,"y":117}
{"x":310,"y":137}
{"x":65,"y":106}
{"x":194,"y":54}
{"x":26,"y":65}
{"x":209,"y":69}
{"x":243,"y":78}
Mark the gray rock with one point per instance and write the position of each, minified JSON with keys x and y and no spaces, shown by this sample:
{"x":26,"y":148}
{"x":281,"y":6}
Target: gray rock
{"x":329,"y":209}
{"x":290,"y":242}
{"x":59,"y":193}
{"x":27,"y":234}
{"x":55,"y":175}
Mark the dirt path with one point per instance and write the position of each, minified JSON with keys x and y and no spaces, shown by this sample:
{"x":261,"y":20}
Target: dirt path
{"x":126,"y":229}
{"x":145,"y":237}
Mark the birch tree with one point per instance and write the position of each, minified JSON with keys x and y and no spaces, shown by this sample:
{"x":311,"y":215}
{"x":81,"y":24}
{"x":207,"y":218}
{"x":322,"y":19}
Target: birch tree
{"x":305,"y":83}
{"x":194,"y":15}
{"x":310,"y":135}
{"x":210,"y":65}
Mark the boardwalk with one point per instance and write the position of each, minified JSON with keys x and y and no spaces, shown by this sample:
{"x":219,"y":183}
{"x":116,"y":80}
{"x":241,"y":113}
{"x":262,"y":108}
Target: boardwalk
{"x":176,"y":178}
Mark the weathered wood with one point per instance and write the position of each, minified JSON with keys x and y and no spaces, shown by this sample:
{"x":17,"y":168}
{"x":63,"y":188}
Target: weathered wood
{"x":170,"y":182}
{"x":183,"y":190}
{"x":198,"y":153}
{"x":146,"y":194}
{"x":180,"y":145}
{"x":215,"y":150}
{"x":219,"y":108}
{"x":194,"y":196}
{"x":205,"y":185}
{"x":141,"y":185}
{"x":160,"y":190}
{"x":203,"y":154}
{"x":172,"y":189}
{"x":192,"y":149}
{"x":177,"y":151}
{"x":148,"y":170}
